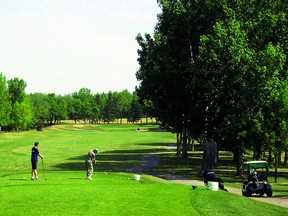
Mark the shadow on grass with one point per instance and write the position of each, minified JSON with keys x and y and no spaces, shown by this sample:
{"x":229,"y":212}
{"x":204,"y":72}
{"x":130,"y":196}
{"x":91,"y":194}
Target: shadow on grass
{"x":164,"y":145}
{"x":112,"y":161}
{"x":168,"y":162}
{"x":279,"y":196}
{"x":122,"y":160}
{"x":156,"y":130}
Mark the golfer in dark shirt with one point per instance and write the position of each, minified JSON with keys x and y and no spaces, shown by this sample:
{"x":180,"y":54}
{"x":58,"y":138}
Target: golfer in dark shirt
{"x":209,"y":175}
{"x":34,"y":161}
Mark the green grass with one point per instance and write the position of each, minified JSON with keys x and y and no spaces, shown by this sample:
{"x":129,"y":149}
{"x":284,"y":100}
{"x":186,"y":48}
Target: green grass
{"x":66,"y":192}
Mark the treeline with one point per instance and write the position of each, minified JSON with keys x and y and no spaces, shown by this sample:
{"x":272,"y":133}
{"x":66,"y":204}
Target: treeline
{"x":21,"y":111}
{"x":216,"y":71}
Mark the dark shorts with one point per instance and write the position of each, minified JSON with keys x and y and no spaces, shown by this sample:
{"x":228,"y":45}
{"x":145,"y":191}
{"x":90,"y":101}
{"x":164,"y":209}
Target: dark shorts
{"x":34,"y":165}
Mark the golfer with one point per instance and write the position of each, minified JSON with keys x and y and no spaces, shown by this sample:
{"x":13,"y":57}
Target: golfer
{"x":89,"y":162}
{"x":209,"y":175}
{"x":34,"y":161}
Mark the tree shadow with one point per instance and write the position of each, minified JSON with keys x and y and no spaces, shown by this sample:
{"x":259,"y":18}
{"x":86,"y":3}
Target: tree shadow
{"x":125,"y":160}
{"x":110,"y":161}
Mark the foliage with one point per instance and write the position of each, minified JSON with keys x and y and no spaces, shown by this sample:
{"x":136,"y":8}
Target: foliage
{"x":215,"y":69}
{"x":5,"y":107}
{"x":20,"y":111}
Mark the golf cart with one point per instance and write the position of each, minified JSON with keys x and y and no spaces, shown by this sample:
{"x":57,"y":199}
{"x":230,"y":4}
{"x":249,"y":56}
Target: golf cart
{"x":255,"y":179}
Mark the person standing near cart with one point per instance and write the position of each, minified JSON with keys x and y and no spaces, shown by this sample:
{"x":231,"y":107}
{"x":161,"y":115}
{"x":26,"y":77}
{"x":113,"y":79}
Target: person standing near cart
{"x":89,"y":162}
{"x":34,"y":160}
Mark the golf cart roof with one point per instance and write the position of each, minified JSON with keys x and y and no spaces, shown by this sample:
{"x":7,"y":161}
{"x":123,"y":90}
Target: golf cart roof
{"x":255,"y":164}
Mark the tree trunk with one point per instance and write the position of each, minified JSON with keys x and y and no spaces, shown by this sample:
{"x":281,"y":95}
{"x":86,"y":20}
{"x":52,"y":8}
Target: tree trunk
{"x":178,"y":149}
{"x":184,"y":145}
{"x":276,"y":167}
{"x":285,"y":157}
{"x":270,"y":156}
{"x":193,"y":145}
{"x":209,"y":153}
{"x":279,"y":158}
{"x":238,"y":158}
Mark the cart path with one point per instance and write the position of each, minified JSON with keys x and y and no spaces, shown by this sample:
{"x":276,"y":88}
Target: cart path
{"x":180,"y":180}
{"x":149,"y":161}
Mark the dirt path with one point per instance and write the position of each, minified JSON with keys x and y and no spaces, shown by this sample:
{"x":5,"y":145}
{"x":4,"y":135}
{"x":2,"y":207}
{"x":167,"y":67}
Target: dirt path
{"x":150,"y":160}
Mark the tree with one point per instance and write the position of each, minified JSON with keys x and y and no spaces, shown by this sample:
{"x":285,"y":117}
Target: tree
{"x":51,"y":100}
{"x":124,"y":105}
{"x":85,"y":99}
{"x":136,"y":109}
{"x":75,"y":110}
{"x":225,"y":60}
{"x":40,"y":108}
{"x":101,"y":101}
{"x":167,"y":74}
{"x":95,"y":103}
{"x":61,"y":109}
{"x":203,"y":70}
{"x":21,"y":114}
{"x":5,"y":107}
{"x":16,"y":88}
{"x":109,"y":111}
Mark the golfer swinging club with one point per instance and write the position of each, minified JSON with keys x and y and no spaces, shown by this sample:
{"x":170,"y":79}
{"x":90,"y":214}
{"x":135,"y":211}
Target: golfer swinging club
{"x":90,"y":160}
{"x":34,"y":161}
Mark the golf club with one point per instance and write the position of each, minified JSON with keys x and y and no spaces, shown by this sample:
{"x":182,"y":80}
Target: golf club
{"x":43,"y":169}
{"x":98,"y":167}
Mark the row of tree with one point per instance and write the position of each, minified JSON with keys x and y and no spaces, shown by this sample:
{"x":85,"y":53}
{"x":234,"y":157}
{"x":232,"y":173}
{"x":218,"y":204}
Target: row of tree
{"x":217,"y":69}
{"x":21,"y":111}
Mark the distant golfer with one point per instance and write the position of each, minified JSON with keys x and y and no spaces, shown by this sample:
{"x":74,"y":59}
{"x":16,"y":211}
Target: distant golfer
{"x":34,"y":161}
{"x":89,"y":162}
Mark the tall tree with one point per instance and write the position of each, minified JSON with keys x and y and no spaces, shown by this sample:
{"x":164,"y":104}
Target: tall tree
{"x":40,"y":109}
{"x":21,"y":114}
{"x":167,"y":61}
{"x":85,"y":97}
{"x":136,"y":109}
{"x":109,"y":111}
{"x":5,"y":107}
{"x":124,"y":106}
{"x":16,"y":88}
{"x":203,"y":71}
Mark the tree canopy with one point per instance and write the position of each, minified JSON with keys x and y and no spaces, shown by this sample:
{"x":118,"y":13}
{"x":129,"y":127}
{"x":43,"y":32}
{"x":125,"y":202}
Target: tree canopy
{"x":22,"y":111}
{"x":217,"y":70}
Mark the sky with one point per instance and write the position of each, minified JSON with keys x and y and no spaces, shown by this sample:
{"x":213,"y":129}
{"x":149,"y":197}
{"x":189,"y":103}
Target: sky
{"x":61,"y":46}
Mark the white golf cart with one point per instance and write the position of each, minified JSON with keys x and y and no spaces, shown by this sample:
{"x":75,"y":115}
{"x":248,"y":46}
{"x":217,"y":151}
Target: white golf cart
{"x":255,"y":179}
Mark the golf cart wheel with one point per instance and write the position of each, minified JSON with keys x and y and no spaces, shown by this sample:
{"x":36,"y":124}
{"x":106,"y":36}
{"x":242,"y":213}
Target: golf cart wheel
{"x":269,"y":193}
{"x":248,"y":194}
